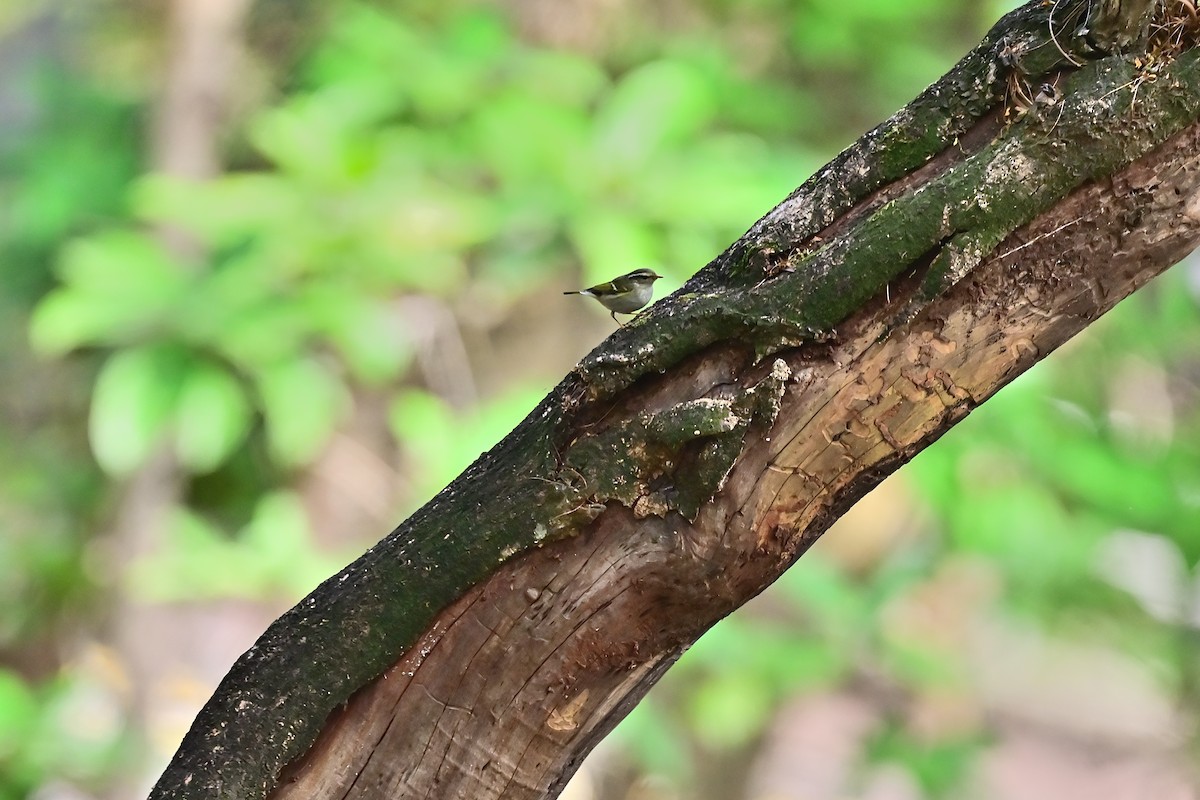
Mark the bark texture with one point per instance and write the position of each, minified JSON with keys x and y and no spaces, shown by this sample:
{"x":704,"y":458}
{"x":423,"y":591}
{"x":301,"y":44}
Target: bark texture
{"x":488,"y":643}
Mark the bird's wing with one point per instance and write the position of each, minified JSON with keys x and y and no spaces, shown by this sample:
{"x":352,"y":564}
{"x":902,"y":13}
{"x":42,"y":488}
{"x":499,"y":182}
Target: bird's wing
{"x":603,"y":289}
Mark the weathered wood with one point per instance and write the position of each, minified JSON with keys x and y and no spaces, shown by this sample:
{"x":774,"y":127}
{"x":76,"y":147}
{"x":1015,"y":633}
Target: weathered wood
{"x":697,"y":453}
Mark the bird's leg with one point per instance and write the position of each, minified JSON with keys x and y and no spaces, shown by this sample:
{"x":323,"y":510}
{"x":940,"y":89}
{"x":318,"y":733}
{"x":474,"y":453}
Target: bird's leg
{"x":613,"y":314}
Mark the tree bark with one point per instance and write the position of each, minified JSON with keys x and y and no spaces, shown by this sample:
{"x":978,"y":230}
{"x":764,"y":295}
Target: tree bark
{"x":484,"y":647}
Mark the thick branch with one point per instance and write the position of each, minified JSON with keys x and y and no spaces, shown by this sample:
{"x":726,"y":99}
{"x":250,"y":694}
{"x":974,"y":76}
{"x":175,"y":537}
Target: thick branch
{"x":690,"y":459}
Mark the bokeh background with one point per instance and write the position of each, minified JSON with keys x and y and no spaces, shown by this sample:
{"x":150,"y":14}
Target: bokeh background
{"x":273,"y":271}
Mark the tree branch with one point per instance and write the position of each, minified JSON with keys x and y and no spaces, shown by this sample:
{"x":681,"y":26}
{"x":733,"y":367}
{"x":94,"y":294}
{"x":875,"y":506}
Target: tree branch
{"x":483,"y":647}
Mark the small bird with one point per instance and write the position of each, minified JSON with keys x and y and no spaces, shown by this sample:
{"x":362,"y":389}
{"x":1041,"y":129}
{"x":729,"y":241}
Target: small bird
{"x":626,"y":294}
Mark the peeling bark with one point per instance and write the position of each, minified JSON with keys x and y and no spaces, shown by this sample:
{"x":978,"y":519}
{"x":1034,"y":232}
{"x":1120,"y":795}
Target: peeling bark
{"x":488,"y":643}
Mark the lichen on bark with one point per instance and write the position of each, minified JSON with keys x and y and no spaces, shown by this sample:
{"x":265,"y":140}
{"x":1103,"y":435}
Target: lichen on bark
{"x":675,"y":459}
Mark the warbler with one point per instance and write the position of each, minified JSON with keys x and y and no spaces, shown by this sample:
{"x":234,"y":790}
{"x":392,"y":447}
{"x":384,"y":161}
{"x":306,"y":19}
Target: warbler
{"x":626,"y":294}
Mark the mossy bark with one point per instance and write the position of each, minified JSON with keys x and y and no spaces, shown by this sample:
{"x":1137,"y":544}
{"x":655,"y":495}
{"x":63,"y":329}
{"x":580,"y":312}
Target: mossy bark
{"x":688,"y":460}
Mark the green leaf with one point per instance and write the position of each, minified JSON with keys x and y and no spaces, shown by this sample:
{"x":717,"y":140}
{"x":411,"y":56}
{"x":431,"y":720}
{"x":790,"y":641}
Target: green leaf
{"x":65,"y":320}
{"x":731,"y":709}
{"x":443,"y":443}
{"x":135,"y":396}
{"x":272,"y":555}
{"x":193,"y":560}
{"x":612,"y":244}
{"x":308,"y":138}
{"x":263,"y":333}
{"x":426,"y":427}
{"x":18,"y":712}
{"x":655,"y":742}
{"x":751,"y":176}
{"x":653,"y":107}
{"x":213,"y":418}
{"x":367,"y":45}
{"x":302,"y":402}
{"x":368,"y":334}
{"x":940,"y":766}
{"x":546,"y":157}
{"x":821,"y":591}
{"x":115,"y":284}
{"x":220,"y":211}
{"x":567,"y":80}
{"x":278,"y":544}
{"x":121,"y":264}
{"x":456,"y":74}
{"x":435,"y":220}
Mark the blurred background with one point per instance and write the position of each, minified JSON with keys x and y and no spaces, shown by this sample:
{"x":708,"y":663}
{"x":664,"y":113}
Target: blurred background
{"x":272,"y":272}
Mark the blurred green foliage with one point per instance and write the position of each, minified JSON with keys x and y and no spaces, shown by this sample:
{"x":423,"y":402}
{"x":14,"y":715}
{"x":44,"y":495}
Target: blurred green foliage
{"x":385,"y":175}
{"x":447,"y":150}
